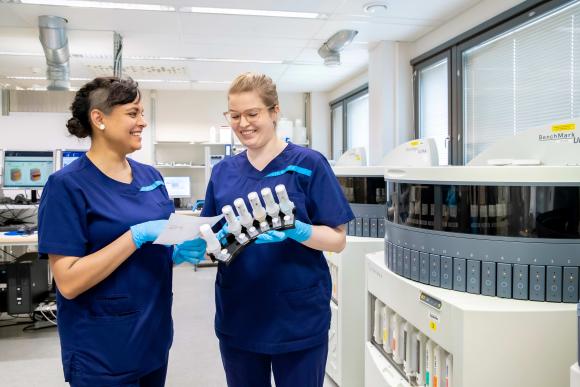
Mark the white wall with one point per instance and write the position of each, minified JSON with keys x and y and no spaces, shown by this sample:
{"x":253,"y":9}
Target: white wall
{"x":348,"y":86}
{"x":320,"y":123}
{"x":188,"y":115}
{"x":463,"y":22}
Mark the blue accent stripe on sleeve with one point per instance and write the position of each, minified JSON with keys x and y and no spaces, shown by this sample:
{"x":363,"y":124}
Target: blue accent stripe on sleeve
{"x":291,"y":168}
{"x":151,"y":187}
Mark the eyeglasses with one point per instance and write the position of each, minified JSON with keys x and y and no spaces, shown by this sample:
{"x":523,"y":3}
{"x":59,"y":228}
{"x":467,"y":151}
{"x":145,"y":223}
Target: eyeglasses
{"x":251,"y":115}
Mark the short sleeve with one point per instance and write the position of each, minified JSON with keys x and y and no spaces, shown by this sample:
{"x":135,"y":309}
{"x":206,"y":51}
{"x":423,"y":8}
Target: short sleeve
{"x":62,"y":225}
{"x":326,"y":203}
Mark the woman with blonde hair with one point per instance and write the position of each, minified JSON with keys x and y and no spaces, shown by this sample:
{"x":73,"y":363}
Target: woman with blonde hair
{"x":273,"y":301}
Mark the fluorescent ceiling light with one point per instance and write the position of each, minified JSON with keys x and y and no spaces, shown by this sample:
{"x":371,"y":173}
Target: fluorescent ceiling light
{"x":101,"y":4}
{"x":30,"y":78}
{"x":194,"y":59}
{"x":251,"y":12}
{"x":237,"y":60}
{"x":11,"y":53}
{"x":223,"y":82}
{"x":167,"y":58}
{"x":25,"y":78}
{"x":163,"y":80}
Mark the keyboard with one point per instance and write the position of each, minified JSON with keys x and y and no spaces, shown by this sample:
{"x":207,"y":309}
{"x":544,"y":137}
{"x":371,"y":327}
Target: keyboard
{"x":26,"y":228}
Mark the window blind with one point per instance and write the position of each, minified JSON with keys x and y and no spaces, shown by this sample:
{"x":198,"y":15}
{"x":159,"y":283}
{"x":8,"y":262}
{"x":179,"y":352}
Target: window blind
{"x":524,"y":78}
{"x":434,"y":106}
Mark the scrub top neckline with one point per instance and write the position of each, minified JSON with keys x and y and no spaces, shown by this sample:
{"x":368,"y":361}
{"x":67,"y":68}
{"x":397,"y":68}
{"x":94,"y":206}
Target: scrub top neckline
{"x":253,"y":171}
{"x":109,"y":179}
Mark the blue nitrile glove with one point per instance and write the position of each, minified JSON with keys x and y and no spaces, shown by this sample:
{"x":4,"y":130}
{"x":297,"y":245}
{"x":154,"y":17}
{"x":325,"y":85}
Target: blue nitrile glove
{"x":300,"y":233}
{"x":221,"y":234}
{"x":192,"y":251}
{"x":147,"y":231}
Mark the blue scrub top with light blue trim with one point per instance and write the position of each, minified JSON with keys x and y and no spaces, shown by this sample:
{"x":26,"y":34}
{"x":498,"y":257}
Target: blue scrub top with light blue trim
{"x":121,"y":328}
{"x":275,"y":298}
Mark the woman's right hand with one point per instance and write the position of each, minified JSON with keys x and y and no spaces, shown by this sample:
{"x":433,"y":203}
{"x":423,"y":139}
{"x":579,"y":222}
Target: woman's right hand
{"x":147,"y":231}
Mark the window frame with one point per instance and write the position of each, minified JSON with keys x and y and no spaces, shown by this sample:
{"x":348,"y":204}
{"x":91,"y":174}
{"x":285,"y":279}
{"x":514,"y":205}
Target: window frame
{"x":512,"y":18}
{"x":344,"y":101}
{"x":416,"y":96}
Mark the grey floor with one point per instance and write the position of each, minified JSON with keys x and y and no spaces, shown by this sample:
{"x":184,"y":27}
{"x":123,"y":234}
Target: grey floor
{"x":32,"y":359}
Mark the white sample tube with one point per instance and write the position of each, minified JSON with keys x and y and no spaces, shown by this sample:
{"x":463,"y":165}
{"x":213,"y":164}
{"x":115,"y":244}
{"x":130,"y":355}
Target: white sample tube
{"x":428,"y":363}
{"x":420,"y":358}
{"x":272,"y":208}
{"x":385,"y":323}
{"x":377,"y":334}
{"x":213,"y":245}
{"x":409,"y":347}
{"x":245,"y":218}
{"x":257,"y":209}
{"x":234,"y":225}
{"x":286,"y":206}
{"x":437,"y":366}
{"x":393,"y":334}
{"x":396,"y":343}
{"x":402,"y":345}
{"x":449,"y":370}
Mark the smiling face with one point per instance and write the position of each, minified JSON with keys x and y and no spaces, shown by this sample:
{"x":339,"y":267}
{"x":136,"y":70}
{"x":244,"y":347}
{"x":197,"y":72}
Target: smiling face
{"x":123,"y":127}
{"x":252,"y":121}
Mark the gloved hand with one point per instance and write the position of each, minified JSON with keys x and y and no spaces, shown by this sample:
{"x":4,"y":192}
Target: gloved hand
{"x":192,"y":251}
{"x":147,"y":231}
{"x":300,"y":233}
{"x":221,"y":234}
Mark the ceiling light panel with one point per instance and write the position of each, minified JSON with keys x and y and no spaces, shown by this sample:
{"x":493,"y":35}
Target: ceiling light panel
{"x":251,"y":12}
{"x":101,"y":4}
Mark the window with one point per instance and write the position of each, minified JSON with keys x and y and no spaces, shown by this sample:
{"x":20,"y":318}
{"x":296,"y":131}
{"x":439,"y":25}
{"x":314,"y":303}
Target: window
{"x":338,"y":147}
{"x":350,"y":122}
{"x":433,"y":112}
{"x":357,"y":115}
{"x":516,"y":71}
{"x":526,"y":77}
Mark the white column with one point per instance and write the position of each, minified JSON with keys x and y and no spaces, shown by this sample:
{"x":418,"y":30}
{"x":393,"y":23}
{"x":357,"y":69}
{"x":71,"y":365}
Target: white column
{"x":390,"y":101}
{"x":320,"y":123}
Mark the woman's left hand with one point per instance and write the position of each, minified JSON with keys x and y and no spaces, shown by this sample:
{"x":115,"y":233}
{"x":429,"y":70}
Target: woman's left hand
{"x":192,"y":251}
{"x":300,"y":233}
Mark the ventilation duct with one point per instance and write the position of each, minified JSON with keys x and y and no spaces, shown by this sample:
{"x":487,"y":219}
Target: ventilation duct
{"x":330,"y":50}
{"x":54,"y":41}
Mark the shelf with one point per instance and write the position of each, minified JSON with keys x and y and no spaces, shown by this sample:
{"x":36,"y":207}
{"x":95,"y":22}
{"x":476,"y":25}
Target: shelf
{"x":174,"y":143}
{"x":180,"y":166}
{"x":199,"y":143}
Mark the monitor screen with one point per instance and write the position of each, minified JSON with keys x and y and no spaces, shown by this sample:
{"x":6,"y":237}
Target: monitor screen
{"x":27,"y":169}
{"x":178,"y":186}
{"x":68,"y":156}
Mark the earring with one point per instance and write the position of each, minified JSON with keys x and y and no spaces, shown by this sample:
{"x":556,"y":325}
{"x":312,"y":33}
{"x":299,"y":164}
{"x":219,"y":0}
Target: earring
{"x":102,"y":126}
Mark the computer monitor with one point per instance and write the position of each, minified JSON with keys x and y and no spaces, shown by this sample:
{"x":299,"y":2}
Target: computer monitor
{"x":27,"y":169}
{"x":178,"y":187}
{"x":68,"y":156}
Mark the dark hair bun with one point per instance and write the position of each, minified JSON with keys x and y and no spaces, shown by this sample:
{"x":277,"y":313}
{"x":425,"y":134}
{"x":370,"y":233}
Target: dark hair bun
{"x":76,"y":128}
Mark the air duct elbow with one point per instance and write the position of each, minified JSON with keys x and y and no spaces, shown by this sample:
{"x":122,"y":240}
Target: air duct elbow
{"x":54,"y":40}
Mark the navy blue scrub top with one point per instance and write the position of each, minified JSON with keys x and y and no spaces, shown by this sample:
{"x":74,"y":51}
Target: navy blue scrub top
{"x":275,"y":297}
{"x":121,"y":328}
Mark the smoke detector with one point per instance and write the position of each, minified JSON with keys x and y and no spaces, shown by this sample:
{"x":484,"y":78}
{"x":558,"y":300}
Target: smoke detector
{"x":375,"y":7}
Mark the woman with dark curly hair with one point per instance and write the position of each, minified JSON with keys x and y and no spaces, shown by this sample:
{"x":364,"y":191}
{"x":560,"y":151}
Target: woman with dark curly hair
{"x":96,"y":218}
